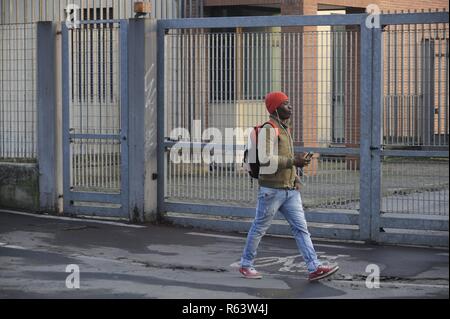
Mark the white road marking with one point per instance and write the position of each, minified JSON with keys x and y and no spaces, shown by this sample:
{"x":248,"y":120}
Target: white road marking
{"x":288,"y":263}
{"x":215,"y":235}
{"x":342,"y":247}
{"x":72,"y":219}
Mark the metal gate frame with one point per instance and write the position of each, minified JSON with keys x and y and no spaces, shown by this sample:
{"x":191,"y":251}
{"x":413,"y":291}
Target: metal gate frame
{"x":379,"y":220}
{"x":345,"y":217}
{"x":71,"y":196}
{"x":370,"y":150}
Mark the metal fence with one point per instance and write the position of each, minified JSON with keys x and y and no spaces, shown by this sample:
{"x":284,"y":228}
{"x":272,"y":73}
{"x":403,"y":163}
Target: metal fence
{"x":95,"y":106}
{"x":416,"y":117}
{"x":235,"y":71}
{"x":220,"y":79}
{"x":371,"y":103}
{"x":417,"y":185}
{"x":18,"y":91}
{"x":95,"y":117}
{"x":416,"y":85}
{"x":376,"y":158}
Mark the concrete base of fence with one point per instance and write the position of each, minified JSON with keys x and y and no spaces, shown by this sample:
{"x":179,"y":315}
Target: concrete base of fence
{"x":19,"y":186}
{"x":278,"y":227}
{"x":438,"y":237}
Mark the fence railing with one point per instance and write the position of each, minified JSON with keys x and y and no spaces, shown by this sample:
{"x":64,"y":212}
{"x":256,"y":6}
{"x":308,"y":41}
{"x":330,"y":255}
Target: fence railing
{"x":371,"y":103}
{"x":18,"y":91}
{"x":416,"y":84}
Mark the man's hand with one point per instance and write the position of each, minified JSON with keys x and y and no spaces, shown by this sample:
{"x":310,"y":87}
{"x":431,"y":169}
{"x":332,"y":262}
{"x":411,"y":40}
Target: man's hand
{"x":300,"y":161}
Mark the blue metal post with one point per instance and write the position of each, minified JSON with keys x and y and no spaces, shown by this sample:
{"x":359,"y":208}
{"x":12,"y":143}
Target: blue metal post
{"x":160,"y":115}
{"x":46,"y":111}
{"x":365,"y":210}
{"x":124,"y":181}
{"x":65,"y":114}
{"x":377,"y":133}
{"x":136,"y":87}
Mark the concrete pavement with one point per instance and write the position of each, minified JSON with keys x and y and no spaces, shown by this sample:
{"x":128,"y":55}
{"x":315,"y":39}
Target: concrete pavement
{"x":163,"y":261}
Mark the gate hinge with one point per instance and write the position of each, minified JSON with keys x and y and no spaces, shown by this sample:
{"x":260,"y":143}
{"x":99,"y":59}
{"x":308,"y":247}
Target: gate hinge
{"x":154,"y":176}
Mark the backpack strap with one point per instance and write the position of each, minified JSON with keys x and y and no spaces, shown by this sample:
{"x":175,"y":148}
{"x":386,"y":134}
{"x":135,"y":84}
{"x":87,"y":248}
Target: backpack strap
{"x":272,"y":123}
{"x":256,"y":129}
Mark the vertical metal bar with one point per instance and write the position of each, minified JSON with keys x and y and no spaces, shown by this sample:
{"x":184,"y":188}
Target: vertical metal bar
{"x":416,"y":87}
{"x":215,"y":93}
{"x":2,"y":90}
{"x":228,"y":103}
{"x":171,"y":84}
{"x":328,"y":97}
{"x":235,"y":78}
{"x":401,"y":99}
{"x":387,"y":95}
{"x":67,"y":160}
{"x":433,"y":82}
{"x":9,"y":99}
{"x":180,"y":95}
{"x":345,"y":88}
{"x":210,"y":97}
{"x":409,"y":118}
{"x":161,"y":157}
{"x":221,"y":119}
{"x":191,"y":90}
{"x":439,"y":55}
{"x":124,"y":184}
{"x":365,"y":136}
{"x":15,"y":51}
{"x":353,"y":77}
{"x":322,"y":71}
{"x":377,"y":93}
{"x":341,"y":86}
{"x":25,"y":87}
{"x":395,"y":84}
{"x":46,"y":110}
{"x":430,"y":72}
{"x":179,"y":103}
{"x":204,"y":79}
{"x":423,"y":85}
{"x":446,"y":117}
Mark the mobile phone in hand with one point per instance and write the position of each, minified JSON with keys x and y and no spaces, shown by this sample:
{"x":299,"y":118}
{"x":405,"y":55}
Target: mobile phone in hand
{"x":309,"y":155}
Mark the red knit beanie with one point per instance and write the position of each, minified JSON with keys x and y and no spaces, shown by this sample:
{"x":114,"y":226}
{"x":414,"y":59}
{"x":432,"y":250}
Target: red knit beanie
{"x":274,"y":100}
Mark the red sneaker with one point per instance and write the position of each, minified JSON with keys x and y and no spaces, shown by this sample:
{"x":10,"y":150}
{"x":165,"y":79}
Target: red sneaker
{"x":322,"y":272}
{"x":250,"y":273}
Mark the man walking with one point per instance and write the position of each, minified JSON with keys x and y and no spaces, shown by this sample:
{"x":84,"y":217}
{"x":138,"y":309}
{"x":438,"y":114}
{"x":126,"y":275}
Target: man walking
{"x":280,"y":191}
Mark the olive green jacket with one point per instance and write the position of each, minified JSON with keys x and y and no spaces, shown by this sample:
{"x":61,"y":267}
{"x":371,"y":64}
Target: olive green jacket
{"x":283,"y":174}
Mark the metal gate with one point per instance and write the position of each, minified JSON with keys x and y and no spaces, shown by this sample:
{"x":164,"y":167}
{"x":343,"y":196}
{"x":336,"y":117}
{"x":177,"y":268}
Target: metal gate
{"x":214,"y":73}
{"x":95,"y":118}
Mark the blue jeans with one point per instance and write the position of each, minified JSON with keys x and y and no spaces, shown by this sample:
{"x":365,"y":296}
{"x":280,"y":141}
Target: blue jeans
{"x":289,"y":203}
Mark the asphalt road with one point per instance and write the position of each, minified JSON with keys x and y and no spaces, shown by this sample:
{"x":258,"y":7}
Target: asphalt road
{"x":162,"y":261}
